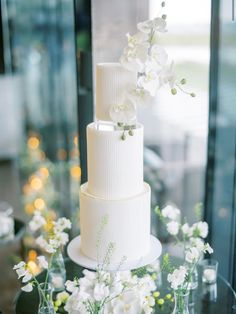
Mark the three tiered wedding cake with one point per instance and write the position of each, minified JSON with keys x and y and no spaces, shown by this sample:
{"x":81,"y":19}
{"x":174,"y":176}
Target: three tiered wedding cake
{"x":115,"y":186}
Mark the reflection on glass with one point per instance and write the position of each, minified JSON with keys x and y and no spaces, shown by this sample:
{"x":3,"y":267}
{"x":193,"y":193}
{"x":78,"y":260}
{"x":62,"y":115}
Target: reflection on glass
{"x":42,"y":41}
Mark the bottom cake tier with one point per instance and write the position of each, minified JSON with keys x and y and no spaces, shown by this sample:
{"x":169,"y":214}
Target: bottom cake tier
{"x":121,"y":224}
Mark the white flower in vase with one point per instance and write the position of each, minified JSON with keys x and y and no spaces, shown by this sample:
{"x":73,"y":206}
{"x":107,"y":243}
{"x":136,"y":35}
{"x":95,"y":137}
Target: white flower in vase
{"x":198,"y":243}
{"x":61,"y":224}
{"x":173,"y":227}
{"x":37,"y":221}
{"x":208,"y":248}
{"x":200,"y":229}
{"x":43,"y":263}
{"x":192,"y":255}
{"x":27,"y":277}
{"x":71,"y":286}
{"x":177,"y":278}
{"x":101,"y":291}
{"x":186,"y":229}
{"x":170,"y":212}
{"x":27,"y":288}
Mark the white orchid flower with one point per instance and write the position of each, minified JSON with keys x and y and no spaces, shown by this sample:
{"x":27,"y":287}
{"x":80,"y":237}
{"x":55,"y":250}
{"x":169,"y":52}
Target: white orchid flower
{"x":134,"y":58}
{"x":137,"y":39}
{"x":167,"y":75}
{"x":123,"y":112}
{"x":159,"y":54}
{"x":158,"y":25}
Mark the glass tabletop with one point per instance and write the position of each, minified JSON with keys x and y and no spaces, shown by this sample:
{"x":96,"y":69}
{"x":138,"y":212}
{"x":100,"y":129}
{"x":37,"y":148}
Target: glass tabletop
{"x":224,"y":303}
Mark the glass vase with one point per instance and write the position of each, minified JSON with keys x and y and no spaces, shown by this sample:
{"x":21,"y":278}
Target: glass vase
{"x":181,"y":303}
{"x":57,"y":272}
{"x":45,"y":299}
{"x":194,"y":279}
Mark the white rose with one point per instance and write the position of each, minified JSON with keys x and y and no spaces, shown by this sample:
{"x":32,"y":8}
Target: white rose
{"x":173,"y":227}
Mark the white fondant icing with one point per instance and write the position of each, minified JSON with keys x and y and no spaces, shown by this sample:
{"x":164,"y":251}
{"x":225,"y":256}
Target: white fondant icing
{"x":128,"y":225}
{"x":115,"y":167}
{"x":112,"y":81}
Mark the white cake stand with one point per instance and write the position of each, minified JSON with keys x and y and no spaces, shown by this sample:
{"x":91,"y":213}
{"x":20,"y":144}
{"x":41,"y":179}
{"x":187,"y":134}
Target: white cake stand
{"x":79,"y":258}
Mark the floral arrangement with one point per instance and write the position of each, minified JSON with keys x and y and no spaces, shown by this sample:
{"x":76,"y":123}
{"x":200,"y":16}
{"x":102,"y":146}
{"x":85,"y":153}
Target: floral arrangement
{"x":191,"y":238}
{"x":26,"y":274}
{"x":105,"y":292}
{"x":149,"y":60}
{"x":52,"y":238}
{"x":53,"y":235}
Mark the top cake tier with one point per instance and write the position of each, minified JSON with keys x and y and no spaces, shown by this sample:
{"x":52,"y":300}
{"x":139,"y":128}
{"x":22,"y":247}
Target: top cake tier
{"x":112,"y":80}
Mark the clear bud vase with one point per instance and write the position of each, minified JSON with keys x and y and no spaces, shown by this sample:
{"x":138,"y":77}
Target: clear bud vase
{"x":45,"y":299}
{"x":57,"y":271}
{"x":181,"y":302}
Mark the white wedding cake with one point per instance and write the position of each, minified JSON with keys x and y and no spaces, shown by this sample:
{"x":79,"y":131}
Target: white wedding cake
{"x":115,"y":187}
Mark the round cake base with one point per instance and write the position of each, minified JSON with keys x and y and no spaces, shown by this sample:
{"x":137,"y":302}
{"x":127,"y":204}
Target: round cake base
{"x":79,"y":258}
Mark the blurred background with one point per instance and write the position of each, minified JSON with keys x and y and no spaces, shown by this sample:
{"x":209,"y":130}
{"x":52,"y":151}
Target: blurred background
{"x":48,"y":53}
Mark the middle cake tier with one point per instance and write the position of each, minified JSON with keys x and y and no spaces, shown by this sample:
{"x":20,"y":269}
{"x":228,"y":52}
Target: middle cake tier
{"x":115,"y":166}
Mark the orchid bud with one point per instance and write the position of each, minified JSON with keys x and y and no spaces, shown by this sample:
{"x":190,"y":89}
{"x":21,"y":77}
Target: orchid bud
{"x":173,"y":91}
{"x":163,"y":4}
{"x":164,"y":16}
{"x":131,"y":132}
{"x":193,"y":95}
{"x":183,"y":81}
{"x":123,"y":137}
